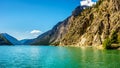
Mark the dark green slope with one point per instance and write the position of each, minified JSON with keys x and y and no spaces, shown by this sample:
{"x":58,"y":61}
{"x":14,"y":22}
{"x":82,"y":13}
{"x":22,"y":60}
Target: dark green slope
{"x":4,"y":41}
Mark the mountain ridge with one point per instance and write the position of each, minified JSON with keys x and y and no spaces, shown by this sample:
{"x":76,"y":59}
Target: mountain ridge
{"x":95,"y":24}
{"x":52,"y":36}
{"x":89,"y":27}
{"x":6,"y":39}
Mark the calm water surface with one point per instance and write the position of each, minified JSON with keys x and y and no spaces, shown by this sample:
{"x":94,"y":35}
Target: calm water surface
{"x":57,"y":57}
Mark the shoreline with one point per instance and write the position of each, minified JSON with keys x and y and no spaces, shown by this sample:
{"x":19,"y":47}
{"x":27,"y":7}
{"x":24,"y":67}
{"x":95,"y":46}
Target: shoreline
{"x":100,"y":47}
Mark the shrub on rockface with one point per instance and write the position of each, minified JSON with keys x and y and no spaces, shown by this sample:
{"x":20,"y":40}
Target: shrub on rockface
{"x":114,"y":37}
{"x":118,"y":38}
{"x":107,"y":43}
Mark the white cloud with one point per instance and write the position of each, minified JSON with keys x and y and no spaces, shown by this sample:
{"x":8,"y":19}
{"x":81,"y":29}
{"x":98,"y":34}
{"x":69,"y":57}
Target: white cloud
{"x":35,"y":33}
{"x":87,"y":2}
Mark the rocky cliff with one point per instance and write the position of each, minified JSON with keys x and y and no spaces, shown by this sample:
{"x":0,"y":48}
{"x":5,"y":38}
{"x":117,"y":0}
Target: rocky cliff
{"x":94,"y":24}
{"x":54,"y":35}
{"x":89,"y":27}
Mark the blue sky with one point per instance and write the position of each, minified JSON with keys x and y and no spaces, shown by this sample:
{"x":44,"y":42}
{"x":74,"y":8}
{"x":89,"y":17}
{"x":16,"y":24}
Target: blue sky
{"x":21,"y":18}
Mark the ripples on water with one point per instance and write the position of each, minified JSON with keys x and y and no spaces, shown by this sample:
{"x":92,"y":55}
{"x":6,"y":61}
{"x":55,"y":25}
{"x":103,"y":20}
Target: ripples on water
{"x":57,"y":57}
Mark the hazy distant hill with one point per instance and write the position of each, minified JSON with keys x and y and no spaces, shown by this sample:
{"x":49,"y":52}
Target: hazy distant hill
{"x":26,"y":41}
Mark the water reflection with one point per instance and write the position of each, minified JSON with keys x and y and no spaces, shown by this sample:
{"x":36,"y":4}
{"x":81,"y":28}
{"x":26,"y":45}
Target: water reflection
{"x":57,"y":57}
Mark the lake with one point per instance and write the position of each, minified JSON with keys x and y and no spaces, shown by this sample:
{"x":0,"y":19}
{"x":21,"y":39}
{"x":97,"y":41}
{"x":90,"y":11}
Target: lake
{"x":57,"y":57}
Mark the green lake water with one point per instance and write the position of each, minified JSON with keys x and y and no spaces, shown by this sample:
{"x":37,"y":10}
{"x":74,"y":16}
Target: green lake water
{"x":57,"y":57}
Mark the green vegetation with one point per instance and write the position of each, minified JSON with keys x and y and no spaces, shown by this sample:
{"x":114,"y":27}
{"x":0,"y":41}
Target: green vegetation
{"x":55,"y":43}
{"x":4,"y":41}
{"x":118,"y":38}
{"x":115,"y":39}
{"x":107,"y":43}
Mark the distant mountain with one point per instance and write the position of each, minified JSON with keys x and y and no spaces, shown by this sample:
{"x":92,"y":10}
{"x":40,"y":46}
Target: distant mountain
{"x":4,"y":41}
{"x":88,"y":27}
{"x":26,"y":41}
{"x":8,"y":39}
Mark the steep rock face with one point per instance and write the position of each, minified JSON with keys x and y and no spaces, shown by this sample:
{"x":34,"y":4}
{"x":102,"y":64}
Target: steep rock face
{"x":78,"y":9}
{"x":89,"y":27}
{"x":54,"y":35}
{"x":94,"y":24}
